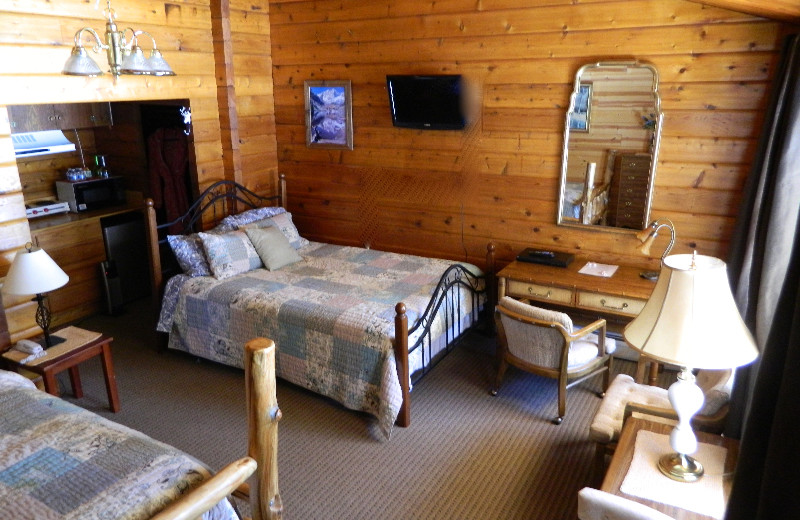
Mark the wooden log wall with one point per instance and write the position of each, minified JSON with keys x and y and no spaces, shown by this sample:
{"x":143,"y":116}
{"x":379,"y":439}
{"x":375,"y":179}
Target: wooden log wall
{"x":36,"y":41}
{"x":447,"y":193}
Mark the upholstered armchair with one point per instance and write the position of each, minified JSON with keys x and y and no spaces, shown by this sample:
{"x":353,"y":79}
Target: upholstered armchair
{"x":626,"y":396}
{"x":594,"y":504}
{"x":543,"y":342}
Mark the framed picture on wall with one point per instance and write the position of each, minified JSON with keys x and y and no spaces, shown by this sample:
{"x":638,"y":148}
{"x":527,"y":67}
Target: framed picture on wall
{"x":329,"y":114}
{"x":579,"y":117}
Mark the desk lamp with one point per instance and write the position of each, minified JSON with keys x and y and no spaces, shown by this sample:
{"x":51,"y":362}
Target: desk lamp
{"x":34,"y":272}
{"x":691,"y":321}
{"x":648,"y":235}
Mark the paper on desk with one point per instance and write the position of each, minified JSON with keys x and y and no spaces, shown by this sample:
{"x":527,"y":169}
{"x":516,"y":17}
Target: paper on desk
{"x":595,"y":269}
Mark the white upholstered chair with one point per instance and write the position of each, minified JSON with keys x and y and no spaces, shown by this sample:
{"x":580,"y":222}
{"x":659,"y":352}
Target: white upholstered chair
{"x":543,"y":342}
{"x":594,"y":504}
{"x":626,"y":396}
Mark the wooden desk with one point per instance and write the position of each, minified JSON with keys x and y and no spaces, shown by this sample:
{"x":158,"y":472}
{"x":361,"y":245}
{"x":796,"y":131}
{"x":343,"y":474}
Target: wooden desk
{"x":620,"y":296}
{"x":67,"y":357}
{"x":623,"y":456}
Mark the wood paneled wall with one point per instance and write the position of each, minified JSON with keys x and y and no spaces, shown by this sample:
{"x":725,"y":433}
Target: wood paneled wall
{"x":37,"y":39}
{"x":448,"y":193}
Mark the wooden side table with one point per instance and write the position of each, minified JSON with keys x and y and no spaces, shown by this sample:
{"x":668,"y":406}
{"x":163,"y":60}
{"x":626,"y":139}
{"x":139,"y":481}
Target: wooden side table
{"x":79,"y":346}
{"x":623,"y":456}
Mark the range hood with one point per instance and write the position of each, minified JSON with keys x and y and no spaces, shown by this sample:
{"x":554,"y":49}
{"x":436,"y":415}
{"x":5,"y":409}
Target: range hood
{"x":30,"y":144}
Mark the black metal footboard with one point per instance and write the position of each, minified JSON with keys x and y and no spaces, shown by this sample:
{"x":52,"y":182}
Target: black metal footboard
{"x":447,"y":297}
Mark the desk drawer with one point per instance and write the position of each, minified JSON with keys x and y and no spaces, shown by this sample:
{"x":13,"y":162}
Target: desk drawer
{"x":538,"y":292}
{"x":609,"y":303}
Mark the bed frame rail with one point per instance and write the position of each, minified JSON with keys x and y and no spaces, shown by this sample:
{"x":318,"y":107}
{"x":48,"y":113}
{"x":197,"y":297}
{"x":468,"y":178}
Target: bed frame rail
{"x":446,"y":294}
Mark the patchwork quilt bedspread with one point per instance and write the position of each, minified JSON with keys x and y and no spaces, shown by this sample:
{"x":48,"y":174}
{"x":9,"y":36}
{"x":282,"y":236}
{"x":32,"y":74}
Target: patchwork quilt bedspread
{"x":59,"y":461}
{"x":331,"y":317}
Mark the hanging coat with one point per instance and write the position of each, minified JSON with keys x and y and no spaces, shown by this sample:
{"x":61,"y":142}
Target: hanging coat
{"x":168,"y":159}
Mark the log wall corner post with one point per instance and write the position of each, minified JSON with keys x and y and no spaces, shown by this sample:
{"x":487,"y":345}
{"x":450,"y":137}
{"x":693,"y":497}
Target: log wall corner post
{"x":263,"y":416}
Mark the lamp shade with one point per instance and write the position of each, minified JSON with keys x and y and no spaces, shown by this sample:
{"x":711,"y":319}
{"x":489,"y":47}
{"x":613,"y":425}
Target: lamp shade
{"x":159,"y":65}
{"x":691,"y":319}
{"x":33,"y":272}
{"x":80,"y":64}
{"x":135,"y":62}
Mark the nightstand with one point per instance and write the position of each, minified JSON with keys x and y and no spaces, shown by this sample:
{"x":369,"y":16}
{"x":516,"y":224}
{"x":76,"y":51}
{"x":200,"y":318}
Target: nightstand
{"x":78,"y":346}
{"x":623,"y":456}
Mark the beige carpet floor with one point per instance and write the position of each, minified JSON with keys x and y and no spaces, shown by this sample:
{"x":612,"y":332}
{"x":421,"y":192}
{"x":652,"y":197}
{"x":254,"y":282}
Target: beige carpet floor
{"x":466,"y":455}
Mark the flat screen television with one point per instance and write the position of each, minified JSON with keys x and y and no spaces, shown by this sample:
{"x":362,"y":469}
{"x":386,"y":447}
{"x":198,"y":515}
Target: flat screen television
{"x":427,"y":102}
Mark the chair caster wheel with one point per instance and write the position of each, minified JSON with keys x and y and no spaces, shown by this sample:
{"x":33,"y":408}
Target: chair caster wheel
{"x":600,"y":394}
{"x":557,"y":420}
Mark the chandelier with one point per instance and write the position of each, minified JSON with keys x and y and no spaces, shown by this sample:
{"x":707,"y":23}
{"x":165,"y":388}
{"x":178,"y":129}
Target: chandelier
{"x":124,"y":57}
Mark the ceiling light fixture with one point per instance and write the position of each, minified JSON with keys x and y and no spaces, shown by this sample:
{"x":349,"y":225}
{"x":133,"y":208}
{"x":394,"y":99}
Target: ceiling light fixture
{"x":124,"y":57}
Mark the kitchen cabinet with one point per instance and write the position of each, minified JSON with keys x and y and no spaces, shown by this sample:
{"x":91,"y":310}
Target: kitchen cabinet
{"x":33,"y":118}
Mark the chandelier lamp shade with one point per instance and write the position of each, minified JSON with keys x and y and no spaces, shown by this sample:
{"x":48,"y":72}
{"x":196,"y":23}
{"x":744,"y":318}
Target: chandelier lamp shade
{"x":691,"y":320}
{"x":125,"y":55}
{"x":34,"y":272}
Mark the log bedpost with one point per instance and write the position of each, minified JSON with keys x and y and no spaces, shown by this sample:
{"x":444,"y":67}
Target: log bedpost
{"x":263,"y":416}
{"x":491,"y":284}
{"x":282,"y":189}
{"x":153,"y":250}
{"x":401,"y":356}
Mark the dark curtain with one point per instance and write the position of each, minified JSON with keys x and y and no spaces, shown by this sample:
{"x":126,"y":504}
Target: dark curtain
{"x":764,"y":266}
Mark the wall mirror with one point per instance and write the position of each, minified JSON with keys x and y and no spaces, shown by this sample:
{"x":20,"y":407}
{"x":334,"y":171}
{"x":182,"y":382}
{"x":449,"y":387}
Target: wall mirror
{"x":612,"y":133}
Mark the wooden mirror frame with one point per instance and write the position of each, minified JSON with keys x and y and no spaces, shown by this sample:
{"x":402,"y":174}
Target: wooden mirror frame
{"x":635,"y":154}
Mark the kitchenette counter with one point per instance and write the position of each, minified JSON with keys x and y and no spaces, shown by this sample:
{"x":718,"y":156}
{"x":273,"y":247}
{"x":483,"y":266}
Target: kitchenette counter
{"x":134,"y":203}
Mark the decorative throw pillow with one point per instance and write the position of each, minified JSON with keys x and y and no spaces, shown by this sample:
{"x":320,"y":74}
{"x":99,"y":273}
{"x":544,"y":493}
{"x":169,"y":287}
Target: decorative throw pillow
{"x":273,"y":248}
{"x":188,"y":250}
{"x":232,"y":222}
{"x":229,"y":253}
{"x":283,"y":222}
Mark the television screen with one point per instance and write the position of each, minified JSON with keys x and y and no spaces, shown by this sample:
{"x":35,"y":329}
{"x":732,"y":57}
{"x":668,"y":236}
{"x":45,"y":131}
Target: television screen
{"x":428,"y":102}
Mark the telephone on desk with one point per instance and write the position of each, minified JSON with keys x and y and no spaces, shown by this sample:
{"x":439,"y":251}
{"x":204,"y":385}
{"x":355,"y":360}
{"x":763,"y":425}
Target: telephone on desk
{"x":540,"y":256}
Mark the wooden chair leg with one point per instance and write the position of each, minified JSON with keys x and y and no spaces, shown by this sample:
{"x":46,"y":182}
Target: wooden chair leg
{"x":607,"y":375}
{"x":599,"y":470}
{"x":501,"y":371}
{"x":562,"y":401}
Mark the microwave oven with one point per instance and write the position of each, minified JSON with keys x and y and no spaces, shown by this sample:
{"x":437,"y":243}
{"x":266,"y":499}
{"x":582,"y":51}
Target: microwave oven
{"x":91,"y":194}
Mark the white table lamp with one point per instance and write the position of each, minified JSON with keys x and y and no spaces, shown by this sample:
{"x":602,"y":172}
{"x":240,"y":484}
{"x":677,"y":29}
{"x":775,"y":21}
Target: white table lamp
{"x":34,"y":272}
{"x":690,"y":320}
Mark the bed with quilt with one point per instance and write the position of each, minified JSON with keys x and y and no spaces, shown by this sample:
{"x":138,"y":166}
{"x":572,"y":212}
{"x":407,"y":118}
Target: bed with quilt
{"x":353,"y":324}
{"x":59,"y":461}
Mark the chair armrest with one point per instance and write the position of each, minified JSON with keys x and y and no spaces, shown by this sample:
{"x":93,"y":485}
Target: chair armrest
{"x":205,"y":496}
{"x":657,"y":411}
{"x":707,"y":423}
{"x":588,"y":329}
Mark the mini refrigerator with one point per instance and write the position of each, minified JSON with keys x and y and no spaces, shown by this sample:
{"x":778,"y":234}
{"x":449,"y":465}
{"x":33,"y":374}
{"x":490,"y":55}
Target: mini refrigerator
{"x":126,"y":271}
